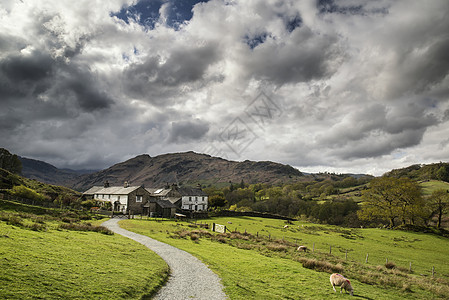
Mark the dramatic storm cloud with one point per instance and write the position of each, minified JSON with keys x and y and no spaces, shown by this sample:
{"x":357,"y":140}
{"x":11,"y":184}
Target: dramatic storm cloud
{"x":323,"y":85}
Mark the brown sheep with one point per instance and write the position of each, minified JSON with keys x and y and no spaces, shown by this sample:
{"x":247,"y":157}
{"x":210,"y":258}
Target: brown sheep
{"x":342,"y":282}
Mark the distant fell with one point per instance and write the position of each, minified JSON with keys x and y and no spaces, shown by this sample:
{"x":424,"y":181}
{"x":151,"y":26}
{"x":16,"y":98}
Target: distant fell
{"x":188,"y":168}
{"x":45,"y":172}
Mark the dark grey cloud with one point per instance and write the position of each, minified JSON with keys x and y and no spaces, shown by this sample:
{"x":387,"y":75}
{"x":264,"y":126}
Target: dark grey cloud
{"x":186,"y":131}
{"x":157,"y":78}
{"x":302,"y":57}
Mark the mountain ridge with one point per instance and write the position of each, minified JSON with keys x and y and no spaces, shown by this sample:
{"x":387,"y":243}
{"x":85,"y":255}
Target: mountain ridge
{"x":187,"y":167}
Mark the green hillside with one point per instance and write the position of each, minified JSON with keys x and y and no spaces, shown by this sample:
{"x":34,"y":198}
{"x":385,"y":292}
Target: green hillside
{"x":15,"y":186}
{"x":52,"y":254}
{"x":263,"y":263}
{"x":432,"y":185}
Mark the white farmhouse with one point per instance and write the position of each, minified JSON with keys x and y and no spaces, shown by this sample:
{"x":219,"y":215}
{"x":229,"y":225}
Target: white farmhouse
{"x":193,"y":199}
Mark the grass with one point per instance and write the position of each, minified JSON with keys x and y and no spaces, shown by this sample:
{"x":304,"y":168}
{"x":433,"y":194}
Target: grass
{"x":428,"y":187}
{"x":254,"y":266}
{"x":55,"y":263}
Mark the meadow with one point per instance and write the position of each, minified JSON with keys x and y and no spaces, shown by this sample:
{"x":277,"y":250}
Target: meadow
{"x":39,"y":259}
{"x":264,"y":263}
{"x":430,"y":186}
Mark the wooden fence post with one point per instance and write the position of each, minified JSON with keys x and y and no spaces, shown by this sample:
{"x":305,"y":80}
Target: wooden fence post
{"x":346,"y":254}
{"x":366,"y":259}
{"x":410,"y":267}
{"x":330,"y":249}
{"x":313,"y":249}
{"x":433,"y":271}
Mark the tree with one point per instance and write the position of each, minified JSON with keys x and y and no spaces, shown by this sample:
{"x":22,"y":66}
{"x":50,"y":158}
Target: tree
{"x":391,"y":199}
{"x":10,"y":162}
{"x":22,"y":191}
{"x":217,"y":201}
{"x":443,"y":173}
{"x":88,"y":204}
{"x":439,"y":204}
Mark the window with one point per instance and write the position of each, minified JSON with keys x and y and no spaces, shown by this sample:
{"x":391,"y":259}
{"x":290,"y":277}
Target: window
{"x":139,"y":198}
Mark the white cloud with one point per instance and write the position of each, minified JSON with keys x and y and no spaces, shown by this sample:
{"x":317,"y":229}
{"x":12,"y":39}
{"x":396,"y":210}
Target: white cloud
{"x":362,"y":85}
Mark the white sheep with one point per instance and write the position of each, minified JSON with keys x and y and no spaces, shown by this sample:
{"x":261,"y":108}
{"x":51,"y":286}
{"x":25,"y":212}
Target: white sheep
{"x":342,"y":282}
{"x":286,"y":226}
{"x":302,"y":248}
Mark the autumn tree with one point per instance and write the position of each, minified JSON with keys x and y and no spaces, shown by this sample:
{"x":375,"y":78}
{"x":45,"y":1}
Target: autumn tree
{"x":391,"y":199}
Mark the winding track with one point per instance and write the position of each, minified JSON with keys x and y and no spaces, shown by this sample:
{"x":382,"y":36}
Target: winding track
{"x":189,"y":277}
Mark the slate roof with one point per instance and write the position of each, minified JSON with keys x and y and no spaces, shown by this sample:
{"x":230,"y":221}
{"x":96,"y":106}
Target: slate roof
{"x":112,"y":190}
{"x":93,"y":190}
{"x":161,"y":203}
{"x":185,"y":191}
{"x":158,"y":192}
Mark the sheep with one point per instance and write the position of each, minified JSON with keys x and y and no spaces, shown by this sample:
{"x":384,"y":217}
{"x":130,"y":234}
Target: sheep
{"x":302,"y":248}
{"x":286,"y":226}
{"x":342,"y":282}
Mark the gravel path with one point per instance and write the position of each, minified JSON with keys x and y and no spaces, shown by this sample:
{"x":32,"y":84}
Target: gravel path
{"x":189,"y":277}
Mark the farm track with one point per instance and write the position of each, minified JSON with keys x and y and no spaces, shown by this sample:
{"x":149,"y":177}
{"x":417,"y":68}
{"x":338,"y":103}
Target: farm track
{"x":189,"y":277}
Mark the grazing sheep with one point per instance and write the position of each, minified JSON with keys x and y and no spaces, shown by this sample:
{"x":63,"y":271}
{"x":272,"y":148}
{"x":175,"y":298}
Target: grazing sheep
{"x":286,"y":226}
{"x":302,"y":248}
{"x":342,"y":282}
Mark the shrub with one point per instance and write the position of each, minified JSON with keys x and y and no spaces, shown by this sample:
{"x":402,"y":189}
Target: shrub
{"x":14,"y":220}
{"x":37,"y":227}
{"x":320,"y":265}
{"x":277,"y":247}
{"x":390,"y":265}
{"x":85,"y":227}
{"x":22,"y":191}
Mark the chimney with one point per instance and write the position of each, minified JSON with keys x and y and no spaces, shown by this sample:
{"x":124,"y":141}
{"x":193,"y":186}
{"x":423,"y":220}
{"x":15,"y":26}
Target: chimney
{"x":126,"y":184}
{"x":106,"y":184}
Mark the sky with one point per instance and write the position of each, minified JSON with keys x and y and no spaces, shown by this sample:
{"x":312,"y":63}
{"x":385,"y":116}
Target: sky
{"x":349,"y":86}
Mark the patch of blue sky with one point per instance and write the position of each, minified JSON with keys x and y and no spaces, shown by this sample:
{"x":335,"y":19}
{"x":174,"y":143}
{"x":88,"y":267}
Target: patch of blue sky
{"x":147,"y":12}
{"x":254,"y":41}
{"x":334,"y":6}
{"x":293,"y":23}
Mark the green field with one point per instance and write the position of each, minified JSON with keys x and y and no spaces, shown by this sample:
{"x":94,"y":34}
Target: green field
{"x":46,"y":262}
{"x":432,"y":185}
{"x":270,"y":268}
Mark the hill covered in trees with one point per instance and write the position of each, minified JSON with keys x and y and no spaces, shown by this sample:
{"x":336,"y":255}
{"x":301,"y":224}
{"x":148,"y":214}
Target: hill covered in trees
{"x":17,"y":187}
{"x":436,"y":171}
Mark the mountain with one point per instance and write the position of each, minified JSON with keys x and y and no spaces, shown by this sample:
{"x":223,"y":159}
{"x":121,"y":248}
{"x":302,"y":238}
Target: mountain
{"x":187,"y":168}
{"x":45,"y":172}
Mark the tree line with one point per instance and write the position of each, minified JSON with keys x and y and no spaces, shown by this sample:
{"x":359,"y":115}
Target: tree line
{"x":384,"y":201}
